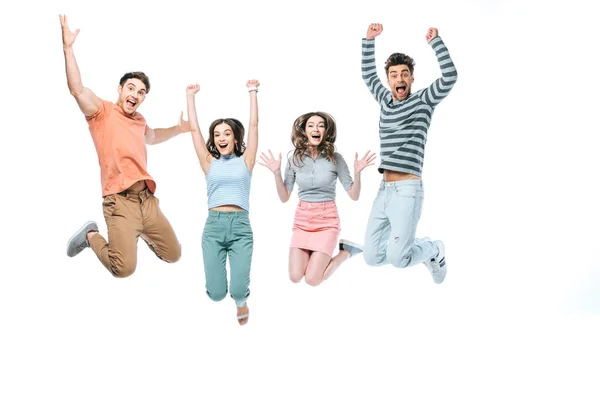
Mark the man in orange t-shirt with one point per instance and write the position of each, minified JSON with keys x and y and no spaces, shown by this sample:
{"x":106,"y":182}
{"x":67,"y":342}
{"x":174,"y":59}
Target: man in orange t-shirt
{"x":120,"y":135}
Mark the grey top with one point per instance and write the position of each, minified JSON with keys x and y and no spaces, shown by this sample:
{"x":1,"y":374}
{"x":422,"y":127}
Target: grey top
{"x":403,"y":125}
{"x":316,"y":178}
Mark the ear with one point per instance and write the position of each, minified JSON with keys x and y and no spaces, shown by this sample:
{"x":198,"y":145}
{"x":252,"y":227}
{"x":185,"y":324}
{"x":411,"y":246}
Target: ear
{"x":119,"y":89}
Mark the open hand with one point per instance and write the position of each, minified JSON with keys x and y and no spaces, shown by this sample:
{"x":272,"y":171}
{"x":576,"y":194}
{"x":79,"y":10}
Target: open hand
{"x":68,"y":37}
{"x":364,"y":162}
{"x":270,"y":162}
{"x":431,"y":33}
{"x":373,"y":31}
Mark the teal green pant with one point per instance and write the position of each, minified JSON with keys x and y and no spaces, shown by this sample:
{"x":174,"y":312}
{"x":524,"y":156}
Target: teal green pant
{"x":227,"y":233}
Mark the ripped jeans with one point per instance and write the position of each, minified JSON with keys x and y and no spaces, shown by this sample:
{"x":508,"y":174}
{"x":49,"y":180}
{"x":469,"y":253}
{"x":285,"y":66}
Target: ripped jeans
{"x":390,"y":236}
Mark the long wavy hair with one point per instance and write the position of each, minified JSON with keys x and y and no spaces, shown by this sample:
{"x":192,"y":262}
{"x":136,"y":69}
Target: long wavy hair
{"x":238,"y":134}
{"x":300,"y":141}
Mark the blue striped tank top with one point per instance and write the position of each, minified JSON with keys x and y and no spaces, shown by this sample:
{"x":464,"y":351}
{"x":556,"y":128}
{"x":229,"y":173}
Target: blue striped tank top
{"x":228,"y":182}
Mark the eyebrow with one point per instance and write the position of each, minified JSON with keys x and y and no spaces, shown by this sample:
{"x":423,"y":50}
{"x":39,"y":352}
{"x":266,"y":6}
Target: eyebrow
{"x":135,"y":87}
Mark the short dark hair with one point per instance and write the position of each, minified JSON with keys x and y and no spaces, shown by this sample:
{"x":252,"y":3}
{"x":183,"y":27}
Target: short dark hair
{"x":400,"y":59}
{"x":136,"y":75}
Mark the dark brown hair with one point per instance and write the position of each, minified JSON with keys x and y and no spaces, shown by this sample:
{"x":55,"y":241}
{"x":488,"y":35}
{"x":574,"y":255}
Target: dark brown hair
{"x":300,"y":141}
{"x":136,"y":75}
{"x":238,"y":134}
{"x":400,"y":59}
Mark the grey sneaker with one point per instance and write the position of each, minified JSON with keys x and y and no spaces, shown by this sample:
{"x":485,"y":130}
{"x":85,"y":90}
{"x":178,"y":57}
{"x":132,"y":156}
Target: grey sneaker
{"x":350,"y":247}
{"x":79,"y":241}
{"x":437,"y":265}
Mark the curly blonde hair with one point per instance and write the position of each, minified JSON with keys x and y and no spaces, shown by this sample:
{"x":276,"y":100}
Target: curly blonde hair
{"x":300,"y":141}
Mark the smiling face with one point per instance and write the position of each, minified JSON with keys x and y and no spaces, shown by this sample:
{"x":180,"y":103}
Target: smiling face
{"x":224,"y":139}
{"x":400,"y":81}
{"x":315,"y":130}
{"x":131,"y":95}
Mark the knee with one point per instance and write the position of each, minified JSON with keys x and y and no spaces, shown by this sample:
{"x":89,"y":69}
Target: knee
{"x":295,"y":276}
{"x":216,"y":295}
{"x":120,"y":269}
{"x":371,"y":258}
{"x":313,"y":280}
{"x":174,"y":254}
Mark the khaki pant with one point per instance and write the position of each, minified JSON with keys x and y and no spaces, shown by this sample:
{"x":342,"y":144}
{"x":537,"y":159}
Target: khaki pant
{"x":130,"y":216}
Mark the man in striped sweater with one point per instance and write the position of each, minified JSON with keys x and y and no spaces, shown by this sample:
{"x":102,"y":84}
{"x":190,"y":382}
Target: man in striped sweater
{"x":404,"y":120}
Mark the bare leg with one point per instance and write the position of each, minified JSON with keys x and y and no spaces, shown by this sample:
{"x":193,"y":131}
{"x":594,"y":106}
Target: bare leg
{"x":298,"y":263}
{"x":321,"y":266}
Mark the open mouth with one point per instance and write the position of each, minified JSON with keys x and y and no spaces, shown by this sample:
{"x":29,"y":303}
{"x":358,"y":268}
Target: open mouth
{"x":131,"y":102}
{"x":316,"y":137}
{"x":223,"y":146}
{"x":401,"y":90}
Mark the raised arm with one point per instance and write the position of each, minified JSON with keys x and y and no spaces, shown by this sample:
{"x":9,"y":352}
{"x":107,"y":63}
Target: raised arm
{"x":88,"y":102}
{"x":274,"y":166}
{"x":439,"y":89}
{"x":252,"y":145}
{"x":368,"y":66}
{"x":201,"y":151}
{"x":160,"y":135}
{"x":344,"y":174}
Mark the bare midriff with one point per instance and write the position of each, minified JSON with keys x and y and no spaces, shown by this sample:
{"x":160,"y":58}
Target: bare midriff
{"x":137,"y":187}
{"x":227,"y":208}
{"x":392,"y":176}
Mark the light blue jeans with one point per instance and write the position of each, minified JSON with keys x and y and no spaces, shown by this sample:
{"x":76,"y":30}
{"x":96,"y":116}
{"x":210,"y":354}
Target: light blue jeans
{"x":392,"y":226}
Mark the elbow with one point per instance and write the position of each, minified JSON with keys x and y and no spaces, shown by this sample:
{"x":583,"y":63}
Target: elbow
{"x":76,"y":89}
{"x":75,"y":92}
{"x":285,"y":197}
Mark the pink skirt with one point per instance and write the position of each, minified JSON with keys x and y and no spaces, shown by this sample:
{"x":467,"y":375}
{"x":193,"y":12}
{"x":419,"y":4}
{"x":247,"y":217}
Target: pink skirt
{"x":316,"y":227}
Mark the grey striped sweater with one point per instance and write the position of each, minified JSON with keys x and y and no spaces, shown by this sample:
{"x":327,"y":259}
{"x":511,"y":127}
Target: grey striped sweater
{"x":403,"y":125}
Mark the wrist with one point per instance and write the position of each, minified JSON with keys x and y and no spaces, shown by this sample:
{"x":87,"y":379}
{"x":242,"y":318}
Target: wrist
{"x":253,"y":89}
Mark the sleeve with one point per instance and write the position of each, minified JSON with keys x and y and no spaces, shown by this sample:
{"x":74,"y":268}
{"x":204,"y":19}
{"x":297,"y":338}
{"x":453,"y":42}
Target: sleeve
{"x":439,"y":89}
{"x":104,"y":105}
{"x":369,"y":71}
{"x":343,"y":173}
{"x":289,"y":177}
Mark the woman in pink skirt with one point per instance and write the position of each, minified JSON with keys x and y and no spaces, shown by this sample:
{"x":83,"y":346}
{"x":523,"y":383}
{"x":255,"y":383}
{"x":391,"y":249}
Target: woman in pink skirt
{"x":315,"y":166}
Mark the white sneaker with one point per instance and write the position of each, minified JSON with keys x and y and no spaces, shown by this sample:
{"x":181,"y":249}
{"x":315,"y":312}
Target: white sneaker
{"x":350,"y":247}
{"x":437,"y":265}
{"x":78,"y":241}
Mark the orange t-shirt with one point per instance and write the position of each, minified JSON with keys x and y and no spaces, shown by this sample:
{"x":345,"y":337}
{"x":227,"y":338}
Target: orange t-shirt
{"x":121,"y":147}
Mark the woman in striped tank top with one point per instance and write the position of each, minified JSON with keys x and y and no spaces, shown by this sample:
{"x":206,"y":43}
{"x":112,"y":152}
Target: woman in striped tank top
{"x":227,"y":163}
{"x":315,"y":166}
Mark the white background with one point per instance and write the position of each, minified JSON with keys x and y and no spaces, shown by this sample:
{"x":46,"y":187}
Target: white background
{"x":510,"y":177}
